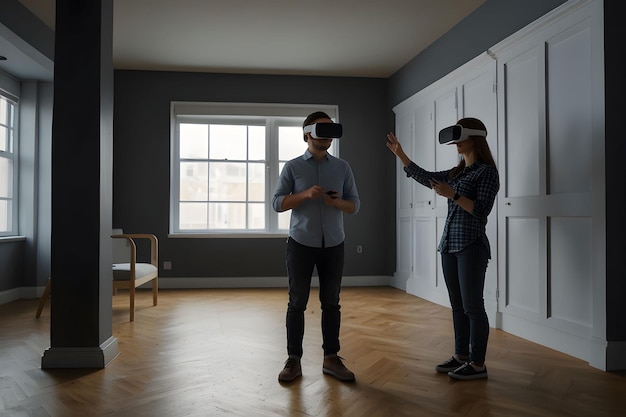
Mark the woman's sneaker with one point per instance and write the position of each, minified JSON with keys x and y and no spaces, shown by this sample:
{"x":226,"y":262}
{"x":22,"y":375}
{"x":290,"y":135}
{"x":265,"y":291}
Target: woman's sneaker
{"x":467,"y":372}
{"x":449,"y":365}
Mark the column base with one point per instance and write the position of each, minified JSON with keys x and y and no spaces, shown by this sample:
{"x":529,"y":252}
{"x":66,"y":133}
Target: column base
{"x":608,"y":356}
{"x":80,"y":357}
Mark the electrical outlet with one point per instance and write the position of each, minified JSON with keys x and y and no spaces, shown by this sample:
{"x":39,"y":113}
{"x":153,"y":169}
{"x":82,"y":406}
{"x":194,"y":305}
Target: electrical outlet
{"x":167,"y":265}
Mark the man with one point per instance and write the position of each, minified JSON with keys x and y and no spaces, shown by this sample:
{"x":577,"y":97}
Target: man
{"x":318,"y":188}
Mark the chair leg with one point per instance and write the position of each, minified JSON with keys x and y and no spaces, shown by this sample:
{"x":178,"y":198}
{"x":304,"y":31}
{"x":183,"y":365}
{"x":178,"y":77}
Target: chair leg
{"x":44,"y":297}
{"x":155,"y":291}
{"x":132,"y":302}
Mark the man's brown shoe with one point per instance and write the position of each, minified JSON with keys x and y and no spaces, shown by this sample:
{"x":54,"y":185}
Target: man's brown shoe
{"x":291,"y":371}
{"x":334,"y":367}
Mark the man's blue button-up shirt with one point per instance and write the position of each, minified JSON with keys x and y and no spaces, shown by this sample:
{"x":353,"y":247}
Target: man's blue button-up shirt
{"x":313,"y":223}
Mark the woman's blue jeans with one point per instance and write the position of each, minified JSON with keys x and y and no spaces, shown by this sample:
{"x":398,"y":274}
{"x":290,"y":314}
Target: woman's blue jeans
{"x":300,"y":261}
{"x":464,"y":273}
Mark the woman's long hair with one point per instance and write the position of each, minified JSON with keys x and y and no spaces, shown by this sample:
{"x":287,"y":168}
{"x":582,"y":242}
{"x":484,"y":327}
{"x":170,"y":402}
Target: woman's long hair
{"x":481,"y":148}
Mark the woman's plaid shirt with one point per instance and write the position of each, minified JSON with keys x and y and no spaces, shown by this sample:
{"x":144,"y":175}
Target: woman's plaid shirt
{"x":480,"y":183}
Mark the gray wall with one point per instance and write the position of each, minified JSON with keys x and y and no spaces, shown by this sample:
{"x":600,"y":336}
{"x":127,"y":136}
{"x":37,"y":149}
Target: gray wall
{"x":492,"y":22}
{"x":142,"y":134}
{"x":26,"y":263}
{"x":11,"y":265}
{"x":16,"y":17}
{"x":141,"y":143}
{"x":142,"y":167}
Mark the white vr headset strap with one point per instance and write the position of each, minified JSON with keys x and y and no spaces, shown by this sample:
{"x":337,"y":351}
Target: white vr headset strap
{"x":466,"y":133}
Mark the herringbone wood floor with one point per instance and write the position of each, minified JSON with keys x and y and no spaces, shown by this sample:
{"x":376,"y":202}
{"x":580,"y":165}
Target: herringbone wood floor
{"x":218,"y":353}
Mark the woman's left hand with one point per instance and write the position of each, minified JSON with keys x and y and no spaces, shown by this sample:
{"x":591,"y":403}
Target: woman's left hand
{"x":442,"y":188}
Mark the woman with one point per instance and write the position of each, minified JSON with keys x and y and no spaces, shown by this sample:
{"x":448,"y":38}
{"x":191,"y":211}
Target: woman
{"x":471,"y":189}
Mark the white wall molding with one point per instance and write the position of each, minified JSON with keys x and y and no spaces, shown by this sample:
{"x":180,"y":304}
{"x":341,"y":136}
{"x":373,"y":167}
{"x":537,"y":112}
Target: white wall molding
{"x":20,"y":293}
{"x":25,"y":293}
{"x":265,"y":282}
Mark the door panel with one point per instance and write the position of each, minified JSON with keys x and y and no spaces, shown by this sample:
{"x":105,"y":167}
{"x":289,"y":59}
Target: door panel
{"x":523,"y":159}
{"x":424,"y":141}
{"x":404,"y":252}
{"x":570,"y":270}
{"x":480,"y":101}
{"x":404,"y":189}
{"x":569,"y":108}
{"x":525,"y":267}
{"x":547,"y":244}
{"x":435,"y":112}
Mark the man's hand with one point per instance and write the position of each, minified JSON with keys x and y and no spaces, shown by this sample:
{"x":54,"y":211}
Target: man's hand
{"x":314,"y":192}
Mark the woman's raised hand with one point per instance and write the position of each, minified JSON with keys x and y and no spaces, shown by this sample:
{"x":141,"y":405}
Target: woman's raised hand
{"x":394,"y":146}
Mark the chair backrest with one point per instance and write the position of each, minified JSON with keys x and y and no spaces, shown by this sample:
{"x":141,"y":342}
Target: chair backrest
{"x":121,"y":248}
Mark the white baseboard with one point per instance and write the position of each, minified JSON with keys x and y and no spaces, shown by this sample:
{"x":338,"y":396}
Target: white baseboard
{"x":20,"y":293}
{"x":265,"y":282}
{"x":25,"y":293}
{"x":576,"y":345}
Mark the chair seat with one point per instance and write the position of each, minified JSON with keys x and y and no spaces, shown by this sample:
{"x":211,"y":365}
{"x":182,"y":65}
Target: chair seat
{"x":121,"y":272}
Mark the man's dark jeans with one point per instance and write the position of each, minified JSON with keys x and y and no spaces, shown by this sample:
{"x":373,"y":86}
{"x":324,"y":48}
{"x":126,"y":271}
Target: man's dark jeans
{"x":300,"y":261}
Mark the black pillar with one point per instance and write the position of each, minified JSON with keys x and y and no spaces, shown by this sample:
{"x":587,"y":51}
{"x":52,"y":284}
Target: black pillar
{"x":82,"y":142}
{"x":615,"y":147}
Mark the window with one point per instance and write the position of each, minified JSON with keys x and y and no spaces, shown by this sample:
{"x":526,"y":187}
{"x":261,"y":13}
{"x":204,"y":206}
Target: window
{"x":8,"y":179}
{"x":226,"y":159}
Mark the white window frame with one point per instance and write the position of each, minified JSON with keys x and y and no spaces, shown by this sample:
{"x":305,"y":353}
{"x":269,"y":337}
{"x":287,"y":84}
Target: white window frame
{"x":12,"y":154}
{"x":272,"y":116}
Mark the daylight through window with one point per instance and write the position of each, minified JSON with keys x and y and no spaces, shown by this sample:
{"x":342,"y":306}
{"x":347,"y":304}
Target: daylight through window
{"x":7,"y":167}
{"x":226,"y":161}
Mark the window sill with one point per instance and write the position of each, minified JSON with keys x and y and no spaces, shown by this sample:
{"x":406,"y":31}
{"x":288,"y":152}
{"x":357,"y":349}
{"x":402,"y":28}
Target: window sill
{"x":7,"y":239}
{"x":222,"y":235}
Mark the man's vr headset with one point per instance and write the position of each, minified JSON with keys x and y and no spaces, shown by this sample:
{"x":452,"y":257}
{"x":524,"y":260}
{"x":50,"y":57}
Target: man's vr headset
{"x":324,"y":130}
{"x":458,"y":133}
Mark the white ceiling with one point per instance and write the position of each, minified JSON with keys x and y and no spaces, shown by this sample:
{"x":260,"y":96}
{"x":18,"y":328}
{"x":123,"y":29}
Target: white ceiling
{"x":356,"y":38}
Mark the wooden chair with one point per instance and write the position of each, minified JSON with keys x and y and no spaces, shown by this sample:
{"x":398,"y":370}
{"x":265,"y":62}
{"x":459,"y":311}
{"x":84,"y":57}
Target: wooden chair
{"x":128,"y":273}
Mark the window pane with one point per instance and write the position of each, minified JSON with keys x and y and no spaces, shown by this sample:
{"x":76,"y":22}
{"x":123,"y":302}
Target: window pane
{"x":222,"y":165}
{"x":193,"y":216}
{"x":227,"y":215}
{"x":256,"y":143}
{"x":194,"y":181}
{"x":4,"y":111}
{"x":4,"y":139}
{"x":194,"y":141}
{"x":5,"y":216}
{"x":256,"y":216}
{"x":6,"y":178}
{"x":290,"y":142}
{"x":283,"y":220}
{"x":227,"y":181}
{"x":256,"y":182}
{"x":228,"y":142}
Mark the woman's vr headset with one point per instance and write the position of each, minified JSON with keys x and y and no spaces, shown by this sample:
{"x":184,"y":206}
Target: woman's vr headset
{"x":458,"y":133}
{"x":324,"y":130}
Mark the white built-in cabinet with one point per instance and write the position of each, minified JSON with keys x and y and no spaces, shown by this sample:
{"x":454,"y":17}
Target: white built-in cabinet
{"x":421,"y":213}
{"x":540,"y":94}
